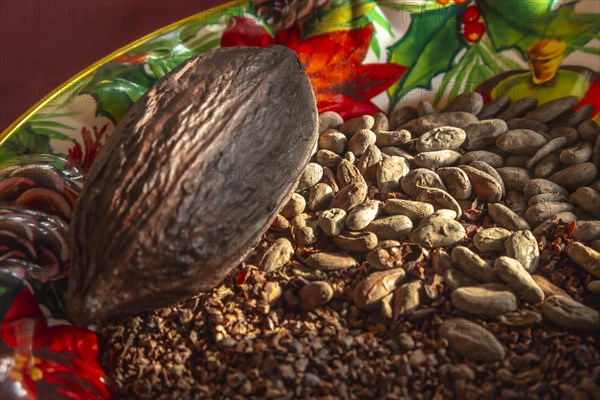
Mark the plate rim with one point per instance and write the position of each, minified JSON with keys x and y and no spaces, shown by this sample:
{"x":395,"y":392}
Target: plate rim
{"x":64,"y":86}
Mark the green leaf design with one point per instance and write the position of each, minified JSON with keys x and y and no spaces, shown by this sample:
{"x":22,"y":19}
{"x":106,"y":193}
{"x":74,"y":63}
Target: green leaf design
{"x":411,"y":6}
{"x":516,"y":24}
{"x":114,"y":97}
{"x":24,"y":141}
{"x":428,"y":48}
{"x":337,"y":15}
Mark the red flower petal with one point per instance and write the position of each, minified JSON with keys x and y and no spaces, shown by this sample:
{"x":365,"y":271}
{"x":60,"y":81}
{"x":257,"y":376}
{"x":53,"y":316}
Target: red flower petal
{"x":592,"y":96}
{"x":245,"y":32}
{"x":346,"y":106}
{"x":371,"y":79}
{"x":23,"y":306}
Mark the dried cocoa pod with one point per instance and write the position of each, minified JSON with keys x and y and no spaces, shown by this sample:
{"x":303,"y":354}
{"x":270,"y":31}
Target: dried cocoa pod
{"x":189,"y":180}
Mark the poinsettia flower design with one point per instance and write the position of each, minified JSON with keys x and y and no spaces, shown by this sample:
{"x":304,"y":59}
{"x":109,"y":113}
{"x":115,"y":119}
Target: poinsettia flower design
{"x":43,"y":361}
{"x":76,"y":157}
{"x":333,"y":62}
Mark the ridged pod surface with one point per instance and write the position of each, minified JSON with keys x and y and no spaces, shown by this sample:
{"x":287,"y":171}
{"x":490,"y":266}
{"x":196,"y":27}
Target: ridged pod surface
{"x":189,"y":180}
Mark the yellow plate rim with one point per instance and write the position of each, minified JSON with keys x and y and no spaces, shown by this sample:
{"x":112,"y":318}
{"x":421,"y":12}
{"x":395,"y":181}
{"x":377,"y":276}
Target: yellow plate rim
{"x":16,"y":124}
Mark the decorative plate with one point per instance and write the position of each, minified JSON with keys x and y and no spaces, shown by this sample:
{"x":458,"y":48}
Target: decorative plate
{"x":361,"y":56}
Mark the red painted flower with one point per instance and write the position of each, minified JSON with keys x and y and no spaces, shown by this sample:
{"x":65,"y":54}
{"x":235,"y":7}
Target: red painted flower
{"x":84,"y":162}
{"x":50,"y":362}
{"x":333,"y":62}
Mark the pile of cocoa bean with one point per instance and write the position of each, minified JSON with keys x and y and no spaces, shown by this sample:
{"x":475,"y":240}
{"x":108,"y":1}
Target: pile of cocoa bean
{"x":474,"y":222}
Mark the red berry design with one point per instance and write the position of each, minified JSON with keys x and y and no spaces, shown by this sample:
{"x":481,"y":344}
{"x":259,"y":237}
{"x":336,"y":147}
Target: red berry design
{"x":471,"y":14}
{"x":474,"y":31}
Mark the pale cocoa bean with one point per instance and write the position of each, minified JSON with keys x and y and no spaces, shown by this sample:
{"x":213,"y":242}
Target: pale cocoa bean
{"x":515,"y":178}
{"x":490,"y":299}
{"x":419,"y":179}
{"x":419,"y":126}
{"x":363,"y":214}
{"x":392,"y":138}
{"x":348,"y":173}
{"x":471,"y":102}
{"x":487,"y":168}
{"x":457,"y":181}
{"x":547,"y":166}
{"x":440,"y":199}
{"x":522,"y":123}
{"x":356,"y":241}
{"x":455,"y":279}
{"x":294,"y":206}
{"x":329,"y":120}
{"x":512,"y":272}
{"x":548,"y":148}
{"x":278,"y":254}
{"x":333,"y":140}
{"x":376,"y":286}
{"x":305,"y":228}
{"x":490,"y":239}
{"x":575,"y":176}
{"x":368,"y":163}
{"x":314,"y":295}
{"x":355,"y":125}
{"x":350,"y":196}
{"x":311,"y":175}
{"x":540,"y":212}
{"x":402,"y":115}
{"x":437,"y":232}
{"x":482,"y":134}
{"x":520,"y":141}
{"x":327,"y":158}
{"x":518,"y":108}
{"x":437,"y":159}
{"x":360,"y":141}
{"x":488,"y":157}
{"x":576,"y":154}
{"x":326,"y":261}
{"x":588,"y":199}
{"x":319,"y":197}
{"x":473,"y":265}
{"x":506,"y":218}
{"x":381,"y":122}
{"x":442,"y":138}
{"x":425,"y":108}
{"x":332,"y":221}
{"x":523,"y":247}
{"x":406,"y":298}
{"x":471,"y":340}
{"x":571,"y":314}
{"x":568,"y":133}
{"x":414,"y":210}
{"x":390,"y":172}
{"x":485,"y":187}
{"x":392,"y":227}
{"x":539,"y":186}
{"x":587,"y":231}
{"x":552,"y":109}
{"x":585,"y":257}
{"x":517,"y":160}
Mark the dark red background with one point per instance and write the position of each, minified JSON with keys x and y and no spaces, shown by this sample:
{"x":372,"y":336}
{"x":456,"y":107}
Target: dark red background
{"x":45,"y":42}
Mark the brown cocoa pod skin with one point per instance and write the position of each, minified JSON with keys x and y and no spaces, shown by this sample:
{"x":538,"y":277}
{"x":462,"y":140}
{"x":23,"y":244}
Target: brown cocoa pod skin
{"x":154,"y":224}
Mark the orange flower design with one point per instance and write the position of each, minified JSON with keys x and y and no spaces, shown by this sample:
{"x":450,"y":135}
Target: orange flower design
{"x":333,"y":62}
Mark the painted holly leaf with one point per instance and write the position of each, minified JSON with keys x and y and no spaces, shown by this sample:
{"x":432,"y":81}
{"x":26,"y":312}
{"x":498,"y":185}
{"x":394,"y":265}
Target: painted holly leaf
{"x":114,"y":97}
{"x":24,"y":141}
{"x":428,"y":47}
{"x":337,"y":15}
{"x":479,"y":63}
{"x":333,"y":62}
{"x":516,"y":24}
